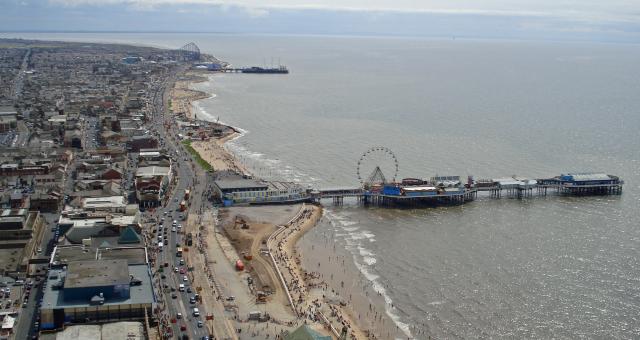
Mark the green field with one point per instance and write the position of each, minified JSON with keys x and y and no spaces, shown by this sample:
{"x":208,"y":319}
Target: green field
{"x":204,"y":164}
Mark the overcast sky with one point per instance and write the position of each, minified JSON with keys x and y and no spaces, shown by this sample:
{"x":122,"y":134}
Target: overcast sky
{"x":601,"y":20}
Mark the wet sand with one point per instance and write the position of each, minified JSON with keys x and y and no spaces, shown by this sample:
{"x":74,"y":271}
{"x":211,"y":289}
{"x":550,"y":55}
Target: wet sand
{"x":182,"y":95}
{"x":345,"y":282}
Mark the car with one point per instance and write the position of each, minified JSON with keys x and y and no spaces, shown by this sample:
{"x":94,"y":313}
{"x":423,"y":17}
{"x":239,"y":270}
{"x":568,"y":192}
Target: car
{"x":175,"y":269}
{"x":183,"y":327}
{"x":192,"y":300}
{"x":39,"y":250}
{"x":179,"y":226}
{"x":188,"y":289}
{"x":231,"y":298}
{"x":166,"y":242}
{"x":163,"y":276}
{"x":200,"y":324}
{"x":182,"y":271}
{"x":196,"y":312}
{"x":185,"y":278}
{"x":179,"y":316}
{"x":174,"y":296}
{"x":173,"y":289}
{"x":173,"y":229}
{"x":181,"y":262}
{"x":181,"y":287}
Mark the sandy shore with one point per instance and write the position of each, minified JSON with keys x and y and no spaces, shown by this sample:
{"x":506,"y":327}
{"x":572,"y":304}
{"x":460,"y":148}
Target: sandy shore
{"x":325,"y":286}
{"x":316,"y":299}
{"x":182,"y":96}
{"x":214,"y":152}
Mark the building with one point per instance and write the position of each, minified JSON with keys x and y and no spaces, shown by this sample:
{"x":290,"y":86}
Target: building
{"x":44,"y":202}
{"x":17,"y":226}
{"x":78,"y":227}
{"x":112,"y":174}
{"x":151,"y":183}
{"x":20,"y":232}
{"x":588,"y":179}
{"x":129,"y":330}
{"x":98,"y":291}
{"x":114,"y":204}
{"x":73,"y":139}
{"x":8,"y":123}
{"x":240,"y":190}
{"x":142,"y":142}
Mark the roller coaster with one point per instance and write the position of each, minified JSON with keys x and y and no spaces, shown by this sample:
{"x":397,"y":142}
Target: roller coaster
{"x":189,"y":52}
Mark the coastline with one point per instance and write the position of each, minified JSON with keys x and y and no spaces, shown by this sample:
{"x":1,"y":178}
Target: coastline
{"x":307,"y":285}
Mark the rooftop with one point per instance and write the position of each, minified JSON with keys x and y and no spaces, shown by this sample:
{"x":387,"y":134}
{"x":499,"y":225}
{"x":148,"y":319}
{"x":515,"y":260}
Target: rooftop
{"x":149,"y":171}
{"x":104,"y":202}
{"x":240,"y":183}
{"x":97,"y":273}
{"x":587,"y":177}
{"x":142,"y":294}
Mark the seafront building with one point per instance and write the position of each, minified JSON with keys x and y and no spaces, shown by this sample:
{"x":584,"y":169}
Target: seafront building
{"x":151,"y":183}
{"x":236,"y":189}
{"x":97,"y":286}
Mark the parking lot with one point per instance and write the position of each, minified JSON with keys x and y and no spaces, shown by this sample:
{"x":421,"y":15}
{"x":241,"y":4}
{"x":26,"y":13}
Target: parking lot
{"x":7,"y":138}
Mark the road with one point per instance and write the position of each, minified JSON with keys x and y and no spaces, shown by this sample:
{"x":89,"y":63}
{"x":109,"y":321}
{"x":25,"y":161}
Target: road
{"x":190,"y":176}
{"x":19,"y":81}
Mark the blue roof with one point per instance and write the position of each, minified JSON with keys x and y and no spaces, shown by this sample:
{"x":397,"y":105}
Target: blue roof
{"x":129,"y":236}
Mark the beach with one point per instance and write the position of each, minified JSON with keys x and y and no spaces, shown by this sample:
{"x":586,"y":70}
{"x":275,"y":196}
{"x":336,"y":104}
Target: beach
{"x":182,"y":95}
{"x":323,"y":293}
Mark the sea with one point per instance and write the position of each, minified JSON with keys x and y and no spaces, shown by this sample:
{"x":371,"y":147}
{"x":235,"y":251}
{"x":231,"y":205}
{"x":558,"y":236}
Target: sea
{"x":540,"y":267}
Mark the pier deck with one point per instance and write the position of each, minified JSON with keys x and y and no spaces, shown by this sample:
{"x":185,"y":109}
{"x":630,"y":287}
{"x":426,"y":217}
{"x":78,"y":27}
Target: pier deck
{"x":398,"y":195}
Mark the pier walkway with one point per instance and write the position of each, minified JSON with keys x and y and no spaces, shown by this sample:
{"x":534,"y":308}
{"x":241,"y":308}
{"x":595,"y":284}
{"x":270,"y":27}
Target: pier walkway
{"x":432,"y":193}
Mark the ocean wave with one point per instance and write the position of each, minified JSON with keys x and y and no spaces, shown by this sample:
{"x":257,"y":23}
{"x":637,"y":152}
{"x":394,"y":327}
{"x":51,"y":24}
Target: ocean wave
{"x":378,"y":288}
{"x":370,"y":261}
{"x":364,"y":259}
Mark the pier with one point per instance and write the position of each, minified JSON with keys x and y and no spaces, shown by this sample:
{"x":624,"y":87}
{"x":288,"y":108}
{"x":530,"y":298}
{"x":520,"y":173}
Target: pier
{"x":257,"y":70}
{"x":449,"y":190}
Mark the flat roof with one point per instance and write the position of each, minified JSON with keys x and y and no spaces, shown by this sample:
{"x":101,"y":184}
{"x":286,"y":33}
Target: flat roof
{"x":589,"y":176}
{"x":240,"y":183}
{"x":152,"y":171}
{"x":13,"y":212}
{"x":133,"y":255}
{"x":96,"y":273}
{"x":142,"y":294}
{"x":149,"y":153}
{"x":104,"y":202}
{"x":69,"y":253}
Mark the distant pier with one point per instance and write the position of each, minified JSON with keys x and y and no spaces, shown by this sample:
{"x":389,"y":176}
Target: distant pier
{"x":257,"y":70}
{"x":449,"y":190}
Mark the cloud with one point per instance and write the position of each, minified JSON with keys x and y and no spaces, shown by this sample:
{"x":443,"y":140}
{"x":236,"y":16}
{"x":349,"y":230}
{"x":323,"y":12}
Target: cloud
{"x":579,"y":10}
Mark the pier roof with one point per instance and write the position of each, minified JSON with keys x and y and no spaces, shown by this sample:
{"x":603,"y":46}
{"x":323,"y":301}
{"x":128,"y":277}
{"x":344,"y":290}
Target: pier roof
{"x":240,"y":183}
{"x":586,"y":177}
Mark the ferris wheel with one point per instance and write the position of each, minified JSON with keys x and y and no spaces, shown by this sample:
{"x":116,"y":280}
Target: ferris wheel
{"x":374,"y":164}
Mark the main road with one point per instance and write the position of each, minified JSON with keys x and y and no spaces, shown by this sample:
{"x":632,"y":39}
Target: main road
{"x":188,"y":175}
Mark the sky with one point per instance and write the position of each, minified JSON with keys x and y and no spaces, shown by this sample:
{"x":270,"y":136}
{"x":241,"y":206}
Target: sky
{"x":594,"y":20}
